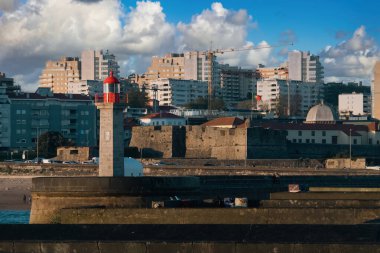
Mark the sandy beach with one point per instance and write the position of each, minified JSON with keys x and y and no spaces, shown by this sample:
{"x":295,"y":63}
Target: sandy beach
{"x":12,"y":191}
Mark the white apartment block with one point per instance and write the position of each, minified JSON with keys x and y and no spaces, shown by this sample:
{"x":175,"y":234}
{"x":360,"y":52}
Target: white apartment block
{"x":303,"y":66}
{"x":356,"y":104}
{"x":86,"y":87}
{"x":298,"y":96}
{"x":176,"y":92}
{"x":96,"y":65}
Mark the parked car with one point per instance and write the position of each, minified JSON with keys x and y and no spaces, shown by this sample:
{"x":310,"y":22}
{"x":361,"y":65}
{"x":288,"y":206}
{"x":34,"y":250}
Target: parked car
{"x":69,"y":162}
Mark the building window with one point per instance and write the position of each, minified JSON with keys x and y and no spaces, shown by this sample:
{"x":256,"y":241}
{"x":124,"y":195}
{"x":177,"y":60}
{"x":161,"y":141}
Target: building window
{"x":307,"y":140}
{"x":294,"y":140}
{"x":299,"y":133}
{"x":355,"y":141}
{"x":323,"y":141}
{"x":299,"y":140}
{"x":323,"y":133}
{"x":312,"y":133}
{"x":74,"y":152}
{"x":312,"y":141}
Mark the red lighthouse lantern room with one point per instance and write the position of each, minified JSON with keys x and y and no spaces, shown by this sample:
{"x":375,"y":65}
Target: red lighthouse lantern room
{"x":111,"y":89}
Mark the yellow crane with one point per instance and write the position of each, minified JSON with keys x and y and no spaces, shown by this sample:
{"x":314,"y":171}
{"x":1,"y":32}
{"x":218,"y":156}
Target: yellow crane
{"x":210,"y":56}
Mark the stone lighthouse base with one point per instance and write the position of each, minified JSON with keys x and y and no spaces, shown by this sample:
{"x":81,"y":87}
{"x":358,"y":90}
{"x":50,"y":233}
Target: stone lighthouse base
{"x":51,"y":194}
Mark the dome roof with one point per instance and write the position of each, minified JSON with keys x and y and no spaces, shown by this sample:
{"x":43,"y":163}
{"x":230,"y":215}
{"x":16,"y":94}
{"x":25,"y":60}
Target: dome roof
{"x":111,"y":79}
{"x":320,"y":113}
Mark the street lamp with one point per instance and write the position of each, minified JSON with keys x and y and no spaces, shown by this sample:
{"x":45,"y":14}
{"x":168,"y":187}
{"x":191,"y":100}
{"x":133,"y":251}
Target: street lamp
{"x":350,"y":147}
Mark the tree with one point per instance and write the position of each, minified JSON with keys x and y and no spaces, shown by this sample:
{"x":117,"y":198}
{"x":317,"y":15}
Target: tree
{"x":48,"y":143}
{"x":137,"y":98}
{"x":246,"y":104}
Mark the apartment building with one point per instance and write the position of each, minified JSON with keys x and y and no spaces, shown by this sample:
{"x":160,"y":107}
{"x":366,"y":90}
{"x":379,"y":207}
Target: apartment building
{"x":96,"y":65}
{"x":58,"y":74}
{"x":291,"y":98}
{"x":236,"y":83}
{"x":272,"y":73}
{"x":303,"y":66}
{"x":355,"y":104}
{"x":31,"y":114}
{"x":8,"y":83}
{"x":176,"y":92}
{"x":5,"y":120}
{"x":376,"y":92}
{"x":86,"y":87}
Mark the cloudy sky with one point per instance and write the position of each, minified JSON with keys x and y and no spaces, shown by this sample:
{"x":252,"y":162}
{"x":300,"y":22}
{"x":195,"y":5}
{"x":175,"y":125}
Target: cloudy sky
{"x":345,"y":33}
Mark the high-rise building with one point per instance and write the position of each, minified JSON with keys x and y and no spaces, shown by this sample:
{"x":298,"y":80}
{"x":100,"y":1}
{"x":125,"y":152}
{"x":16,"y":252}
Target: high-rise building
{"x":187,"y":66}
{"x":8,"y":83}
{"x":96,"y":65}
{"x":305,"y":67}
{"x":376,"y":92}
{"x":176,"y":92}
{"x":236,"y":83}
{"x":293,"y":98}
{"x":356,"y":104}
{"x":272,"y":73}
{"x":58,"y":74}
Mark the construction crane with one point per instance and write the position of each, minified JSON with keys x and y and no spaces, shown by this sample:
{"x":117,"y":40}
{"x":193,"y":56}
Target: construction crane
{"x":210,"y":55}
{"x":155,"y":90}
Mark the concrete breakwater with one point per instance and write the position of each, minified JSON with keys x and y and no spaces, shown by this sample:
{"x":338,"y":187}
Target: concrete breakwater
{"x":51,"y":195}
{"x":189,"y":238}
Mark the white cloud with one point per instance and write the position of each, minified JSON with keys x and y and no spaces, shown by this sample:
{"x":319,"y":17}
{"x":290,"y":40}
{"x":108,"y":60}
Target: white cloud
{"x":352,"y":59}
{"x":41,"y":30}
{"x":222,"y":28}
{"x":147,"y":31}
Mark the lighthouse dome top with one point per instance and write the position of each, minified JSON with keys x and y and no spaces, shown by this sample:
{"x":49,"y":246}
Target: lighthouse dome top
{"x":111,"y":79}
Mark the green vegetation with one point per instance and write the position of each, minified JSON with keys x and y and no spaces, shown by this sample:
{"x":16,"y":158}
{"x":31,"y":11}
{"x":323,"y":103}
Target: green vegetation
{"x":137,"y":98}
{"x":48,"y":143}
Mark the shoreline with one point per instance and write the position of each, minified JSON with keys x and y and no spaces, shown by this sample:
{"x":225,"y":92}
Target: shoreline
{"x":12,"y":192}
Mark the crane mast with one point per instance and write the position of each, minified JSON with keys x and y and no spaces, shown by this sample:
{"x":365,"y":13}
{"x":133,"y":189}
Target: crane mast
{"x":210,"y":55}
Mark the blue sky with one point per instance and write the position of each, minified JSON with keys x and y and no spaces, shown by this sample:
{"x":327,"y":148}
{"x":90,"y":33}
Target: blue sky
{"x":315,"y":23}
{"x":344,"y":33}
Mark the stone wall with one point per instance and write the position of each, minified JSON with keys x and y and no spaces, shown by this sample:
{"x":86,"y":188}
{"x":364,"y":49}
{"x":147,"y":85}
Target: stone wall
{"x":296,"y":150}
{"x":159,"y":141}
{"x":190,"y":238}
{"x":78,"y":154}
{"x":220,"y":216}
{"x":344,"y":163}
{"x":206,"y":142}
{"x":266,"y":143}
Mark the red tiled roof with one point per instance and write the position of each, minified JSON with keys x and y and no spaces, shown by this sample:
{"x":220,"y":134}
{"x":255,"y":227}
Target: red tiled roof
{"x":54,"y":96}
{"x":300,"y":126}
{"x":161,"y":116}
{"x":226,"y":121}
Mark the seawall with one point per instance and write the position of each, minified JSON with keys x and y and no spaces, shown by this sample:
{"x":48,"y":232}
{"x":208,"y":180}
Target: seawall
{"x":189,"y":238}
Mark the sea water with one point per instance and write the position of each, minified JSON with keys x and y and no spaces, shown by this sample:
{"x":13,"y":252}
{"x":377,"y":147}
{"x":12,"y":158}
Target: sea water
{"x":14,"y":217}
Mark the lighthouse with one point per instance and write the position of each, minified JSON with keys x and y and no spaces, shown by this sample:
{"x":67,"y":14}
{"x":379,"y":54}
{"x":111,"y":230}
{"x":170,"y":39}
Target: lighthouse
{"x":111,"y":146}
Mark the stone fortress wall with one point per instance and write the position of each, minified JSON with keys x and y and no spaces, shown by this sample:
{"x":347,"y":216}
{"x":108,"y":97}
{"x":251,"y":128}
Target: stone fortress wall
{"x":208,"y":142}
